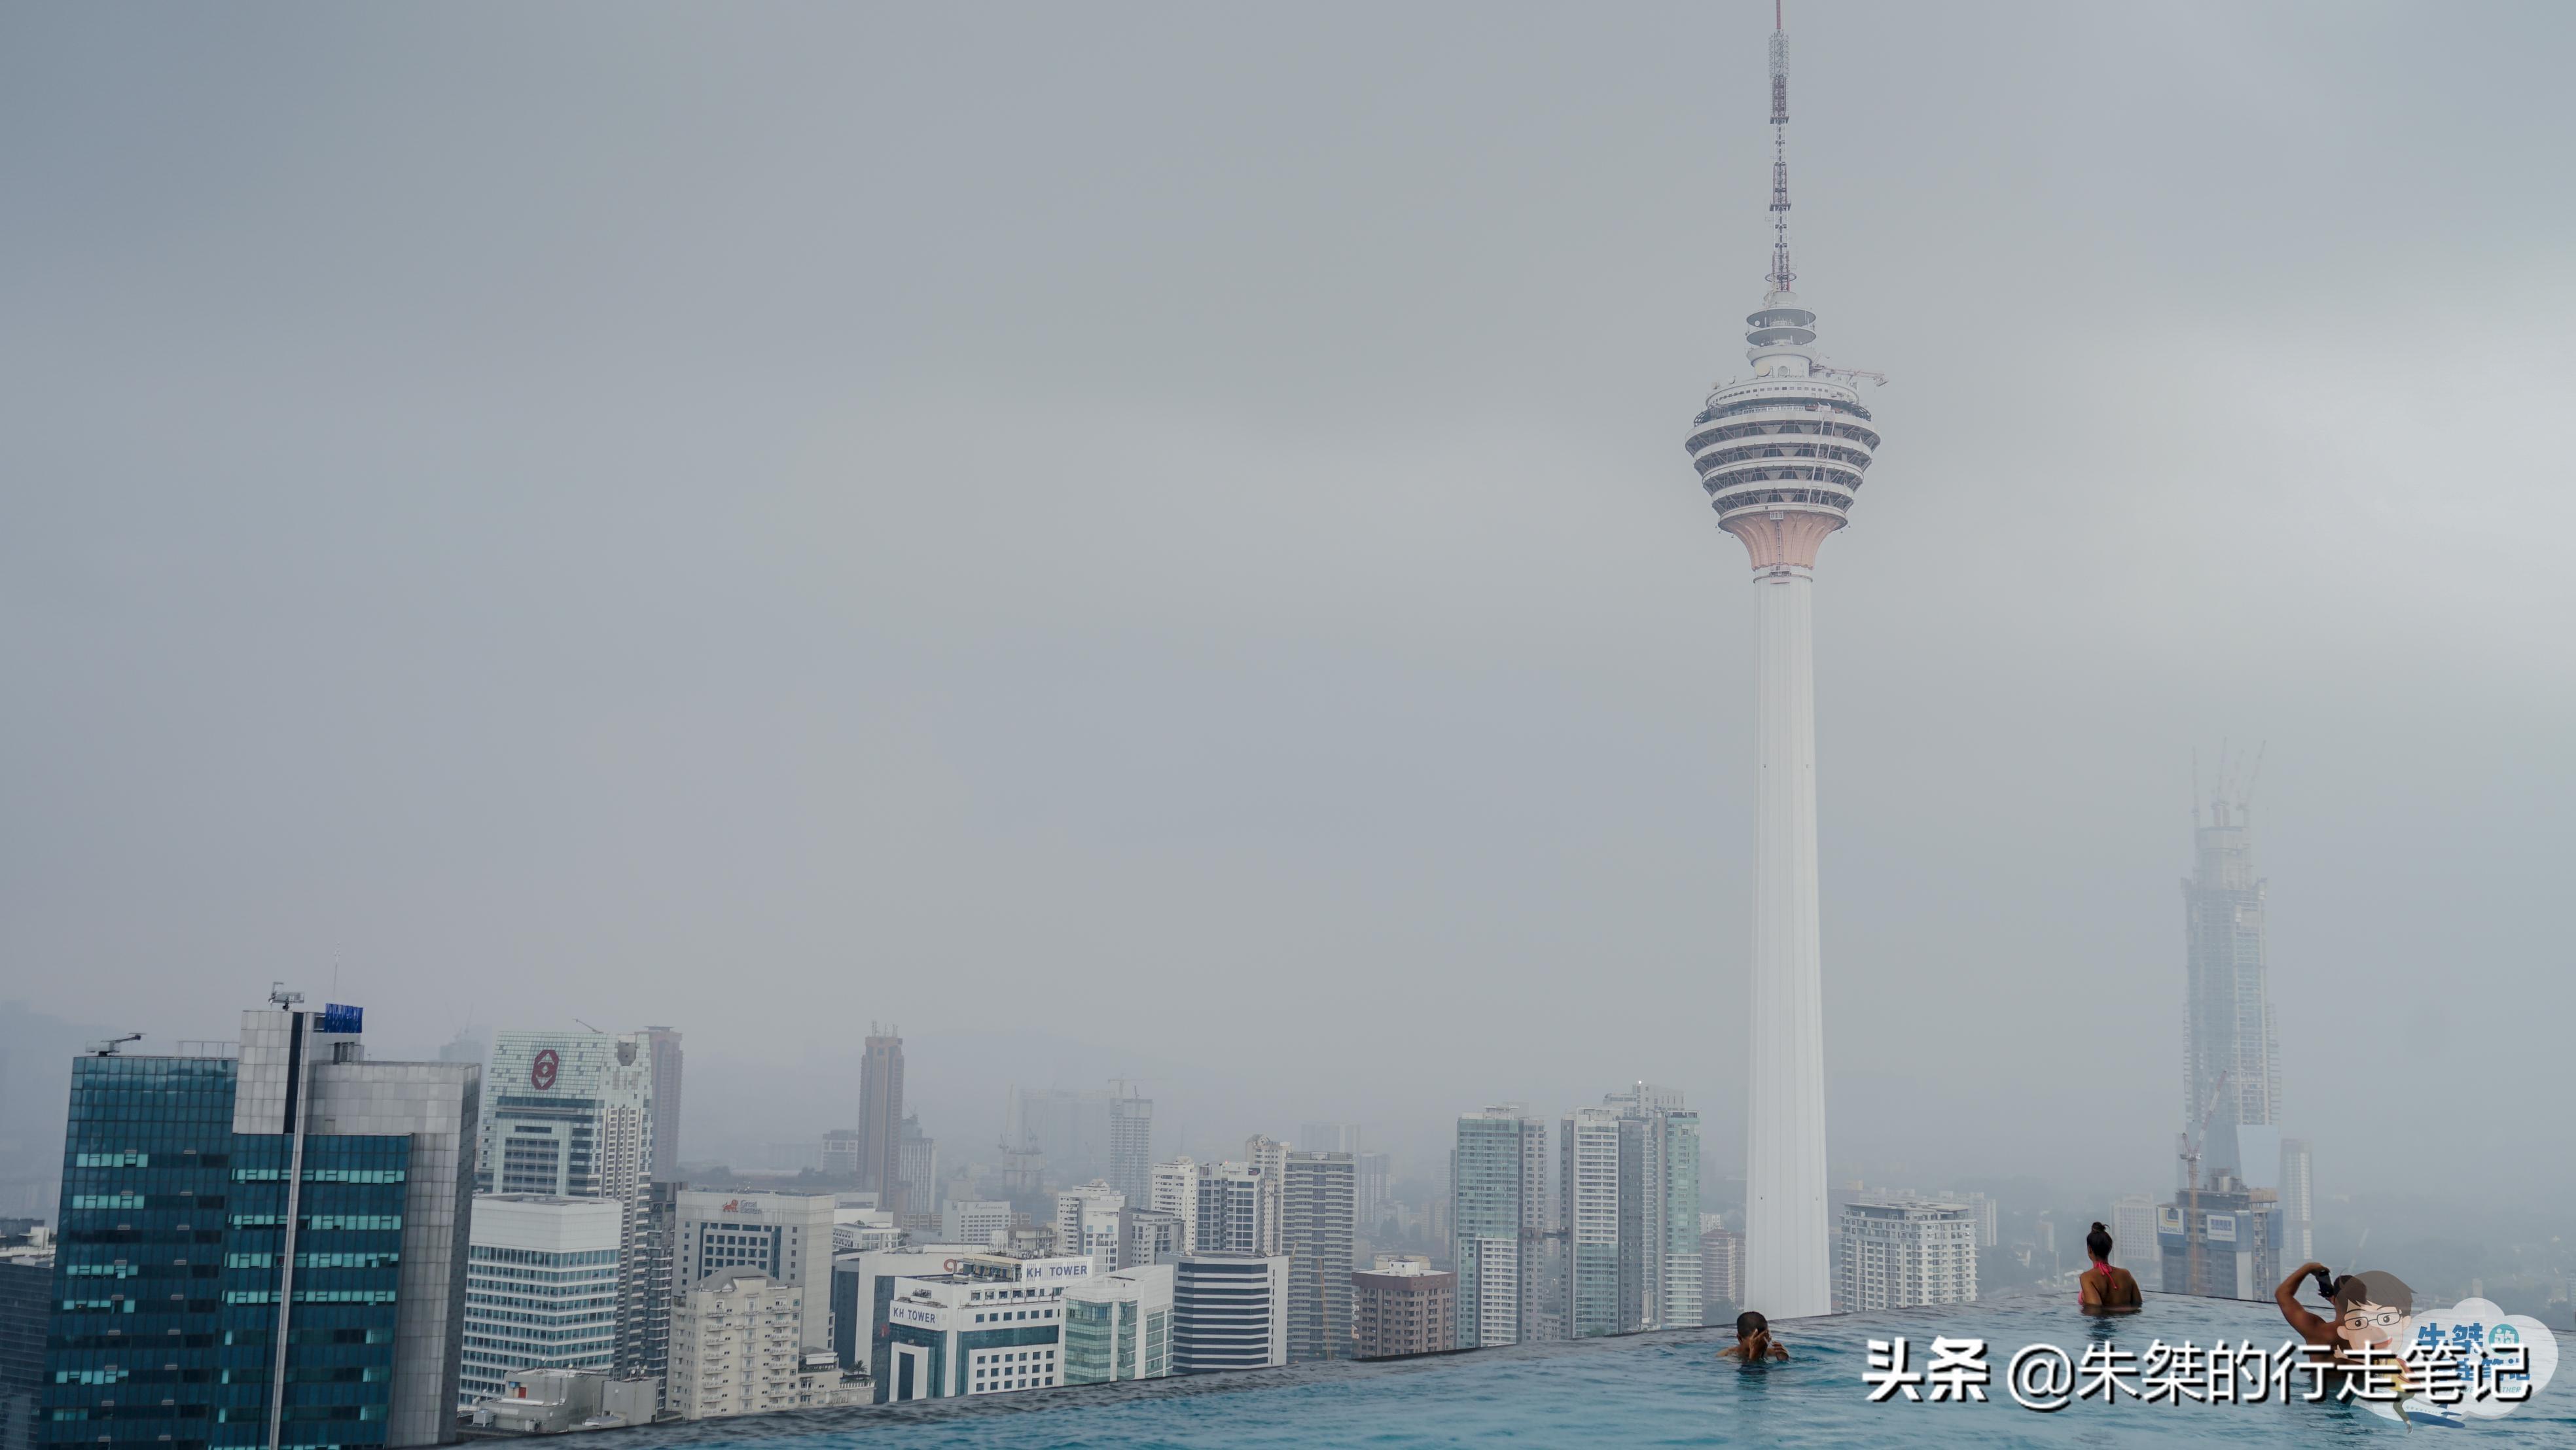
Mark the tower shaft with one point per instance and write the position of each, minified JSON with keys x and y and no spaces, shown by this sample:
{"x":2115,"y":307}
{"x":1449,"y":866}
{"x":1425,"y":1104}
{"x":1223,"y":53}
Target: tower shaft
{"x":1786,"y":1231}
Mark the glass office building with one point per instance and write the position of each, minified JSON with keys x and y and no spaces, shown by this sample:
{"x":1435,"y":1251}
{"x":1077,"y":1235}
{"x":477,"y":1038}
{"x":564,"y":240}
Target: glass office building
{"x":233,"y":1269}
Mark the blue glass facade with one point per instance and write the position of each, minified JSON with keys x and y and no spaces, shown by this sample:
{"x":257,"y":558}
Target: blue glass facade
{"x":172,"y":1230}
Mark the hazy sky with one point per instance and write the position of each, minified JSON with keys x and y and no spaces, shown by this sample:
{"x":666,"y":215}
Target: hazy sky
{"x":1165,"y":532}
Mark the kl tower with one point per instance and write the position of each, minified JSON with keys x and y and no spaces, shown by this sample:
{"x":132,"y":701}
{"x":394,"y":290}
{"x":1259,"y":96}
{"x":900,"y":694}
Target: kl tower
{"x":1781,"y":454}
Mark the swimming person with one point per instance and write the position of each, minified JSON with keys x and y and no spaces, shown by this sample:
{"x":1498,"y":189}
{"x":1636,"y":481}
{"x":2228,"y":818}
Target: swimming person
{"x":1753,"y":1343}
{"x":2106,"y":1288}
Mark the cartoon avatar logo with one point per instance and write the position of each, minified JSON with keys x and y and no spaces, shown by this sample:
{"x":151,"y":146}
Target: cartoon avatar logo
{"x":2371,"y":1312}
{"x":2470,"y":1361}
{"x":541,"y":1073}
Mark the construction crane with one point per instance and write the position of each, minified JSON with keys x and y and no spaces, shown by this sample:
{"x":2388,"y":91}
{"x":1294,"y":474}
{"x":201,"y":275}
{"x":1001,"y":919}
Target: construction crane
{"x":107,"y":1046}
{"x":2187,"y":1147}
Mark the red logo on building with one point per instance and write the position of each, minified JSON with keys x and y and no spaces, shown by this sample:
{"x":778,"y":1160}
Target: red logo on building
{"x":541,"y":1073}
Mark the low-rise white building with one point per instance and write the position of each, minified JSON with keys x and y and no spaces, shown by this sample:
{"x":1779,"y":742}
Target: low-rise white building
{"x":996,"y":1324}
{"x":1898,"y":1252}
{"x":1119,"y":1326}
{"x":736,"y":1346}
{"x":541,"y":1286}
{"x":553,"y":1401}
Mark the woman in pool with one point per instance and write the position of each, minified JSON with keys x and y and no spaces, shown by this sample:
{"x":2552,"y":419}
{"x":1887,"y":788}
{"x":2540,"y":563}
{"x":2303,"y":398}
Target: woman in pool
{"x":1753,"y":1342}
{"x":2104,"y":1288}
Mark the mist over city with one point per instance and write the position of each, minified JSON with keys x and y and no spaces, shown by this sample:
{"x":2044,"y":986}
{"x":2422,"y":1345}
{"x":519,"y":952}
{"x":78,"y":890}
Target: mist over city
{"x":1165,"y":553}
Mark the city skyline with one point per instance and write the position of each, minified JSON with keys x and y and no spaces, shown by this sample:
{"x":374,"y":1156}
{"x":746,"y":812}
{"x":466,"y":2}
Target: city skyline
{"x":702,"y":633}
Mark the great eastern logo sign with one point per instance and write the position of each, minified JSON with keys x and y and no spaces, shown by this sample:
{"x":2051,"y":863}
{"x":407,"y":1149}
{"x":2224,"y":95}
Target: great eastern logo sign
{"x":541,"y":1073}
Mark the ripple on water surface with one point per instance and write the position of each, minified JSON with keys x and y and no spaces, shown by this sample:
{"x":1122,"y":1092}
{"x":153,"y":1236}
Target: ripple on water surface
{"x":1645,"y":1390}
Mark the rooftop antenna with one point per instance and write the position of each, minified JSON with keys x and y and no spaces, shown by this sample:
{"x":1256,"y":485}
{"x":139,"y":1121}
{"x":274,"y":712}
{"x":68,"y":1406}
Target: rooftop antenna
{"x":1781,"y":274}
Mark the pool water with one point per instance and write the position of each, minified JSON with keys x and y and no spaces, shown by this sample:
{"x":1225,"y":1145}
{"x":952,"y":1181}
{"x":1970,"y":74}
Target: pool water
{"x":1650,"y":1390}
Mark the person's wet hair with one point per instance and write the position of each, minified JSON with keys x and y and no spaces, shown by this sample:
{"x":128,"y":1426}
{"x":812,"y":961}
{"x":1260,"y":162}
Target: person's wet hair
{"x":2098,"y":1242}
{"x":1750,"y":1323}
{"x":2375,"y":1286}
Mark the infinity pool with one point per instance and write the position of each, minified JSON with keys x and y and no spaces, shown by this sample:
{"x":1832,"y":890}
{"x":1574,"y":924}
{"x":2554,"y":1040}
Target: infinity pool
{"x":1655,"y":1389}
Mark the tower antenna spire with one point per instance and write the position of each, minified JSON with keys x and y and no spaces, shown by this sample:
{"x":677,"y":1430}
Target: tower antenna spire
{"x":1781,"y":273}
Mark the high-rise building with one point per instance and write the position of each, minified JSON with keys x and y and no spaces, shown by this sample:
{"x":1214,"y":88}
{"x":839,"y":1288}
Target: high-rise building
{"x":1377,"y":1174}
{"x":1329,"y":1137}
{"x":1781,"y":454}
{"x":1086,"y":1222}
{"x":840,"y":1154}
{"x":664,"y":1045}
{"x":1900,"y":1252}
{"x":1175,"y":1190}
{"x":285,"y":1225}
{"x":2298,"y":1201}
{"x":1721,"y":1269}
{"x":1659,"y":1268}
{"x":1402,"y":1306}
{"x":1131,"y":1143}
{"x":1588,"y":1208}
{"x":571,"y":1115}
{"x":2231,"y":1055}
{"x":2133,"y":1235}
{"x":1498,"y":1211}
{"x":785,"y":1236}
{"x":648,"y":1281}
{"x":917,"y":1163}
{"x":1989,"y":1220}
{"x":1269,"y":1159}
{"x":1320,"y":1206}
{"x":1119,"y":1326}
{"x":1228,"y":1213}
{"x":26,"y":1306}
{"x":734,"y":1348}
{"x":1229,"y":1311}
{"x":881,"y":1120}
{"x":541,"y":1288}
{"x":2224,"y":1241}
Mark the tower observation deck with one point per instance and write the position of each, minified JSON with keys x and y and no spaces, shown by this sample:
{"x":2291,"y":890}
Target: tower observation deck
{"x":1782,"y":455}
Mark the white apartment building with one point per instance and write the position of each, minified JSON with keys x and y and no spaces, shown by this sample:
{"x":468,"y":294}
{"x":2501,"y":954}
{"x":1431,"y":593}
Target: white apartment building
{"x":541,"y":1283}
{"x":1900,"y":1252}
{"x":975,"y":1221}
{"x":1176,"y":1191}
{"x":1086,"y":1222}
{"x":1269,"y":1159}
{"x":786,"y":1236}
{"x":1119,"y":1326}
{"x":736,"y":1346}
{"x":1229,"y":1208}
{"x":1588,"y":1211}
